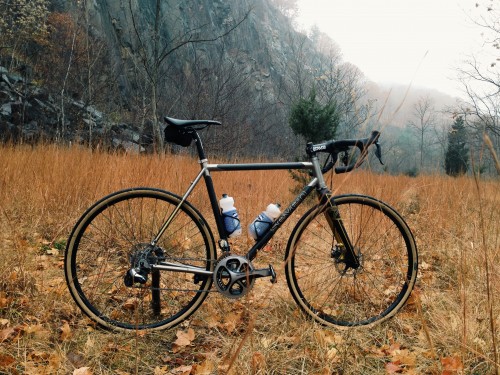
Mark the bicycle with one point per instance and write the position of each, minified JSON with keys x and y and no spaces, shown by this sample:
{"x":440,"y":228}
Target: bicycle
{"x":145,"y":258}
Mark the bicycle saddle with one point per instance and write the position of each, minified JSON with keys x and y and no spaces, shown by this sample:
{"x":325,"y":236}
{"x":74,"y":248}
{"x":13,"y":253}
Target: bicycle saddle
{"x":185,"y":123}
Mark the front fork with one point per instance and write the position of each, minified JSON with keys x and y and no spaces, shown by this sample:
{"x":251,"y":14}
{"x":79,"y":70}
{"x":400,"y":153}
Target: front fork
{"x":344,"y":251}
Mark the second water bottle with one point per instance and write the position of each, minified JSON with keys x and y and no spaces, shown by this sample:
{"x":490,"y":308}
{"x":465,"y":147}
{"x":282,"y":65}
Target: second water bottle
{"x":263,"y":222}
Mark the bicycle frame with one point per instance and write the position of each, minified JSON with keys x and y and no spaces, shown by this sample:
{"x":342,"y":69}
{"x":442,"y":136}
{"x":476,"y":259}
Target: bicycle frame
{"x":317,"y":182}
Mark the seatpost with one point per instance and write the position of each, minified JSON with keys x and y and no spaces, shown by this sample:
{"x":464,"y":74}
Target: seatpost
{"x":199,"y":145}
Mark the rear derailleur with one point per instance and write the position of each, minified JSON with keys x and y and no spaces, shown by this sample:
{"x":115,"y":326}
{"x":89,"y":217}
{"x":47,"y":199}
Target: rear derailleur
{"x":142,"y":257}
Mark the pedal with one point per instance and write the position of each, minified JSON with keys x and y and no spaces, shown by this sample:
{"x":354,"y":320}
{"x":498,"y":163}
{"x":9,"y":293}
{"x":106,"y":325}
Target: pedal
{"x":273,"y":275}
{"x":264,"y":272}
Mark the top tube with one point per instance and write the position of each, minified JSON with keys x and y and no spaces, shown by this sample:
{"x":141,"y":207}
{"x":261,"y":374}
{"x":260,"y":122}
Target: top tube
{"x":259,"y":166}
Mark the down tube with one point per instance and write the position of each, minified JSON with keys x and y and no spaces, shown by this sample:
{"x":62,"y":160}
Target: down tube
{"x":252,"y":253}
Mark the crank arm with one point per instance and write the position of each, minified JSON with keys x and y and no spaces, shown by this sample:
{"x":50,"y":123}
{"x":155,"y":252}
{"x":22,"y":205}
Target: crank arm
{"x":178,"y":267}
{"x":256,"y":274}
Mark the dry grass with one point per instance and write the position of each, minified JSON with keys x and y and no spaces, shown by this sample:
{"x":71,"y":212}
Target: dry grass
{"x":448,"y":325}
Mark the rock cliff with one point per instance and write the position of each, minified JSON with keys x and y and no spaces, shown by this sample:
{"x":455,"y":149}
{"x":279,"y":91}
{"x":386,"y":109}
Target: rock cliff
{"x":239,"y":62}
{"x":228,"y":60}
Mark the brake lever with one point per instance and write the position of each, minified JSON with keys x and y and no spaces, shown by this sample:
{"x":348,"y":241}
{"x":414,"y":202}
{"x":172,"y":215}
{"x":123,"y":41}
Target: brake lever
{"x":378,"y":152}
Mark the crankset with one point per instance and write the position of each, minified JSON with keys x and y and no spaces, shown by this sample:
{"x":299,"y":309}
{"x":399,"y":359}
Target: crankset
{"x":234,"y":275}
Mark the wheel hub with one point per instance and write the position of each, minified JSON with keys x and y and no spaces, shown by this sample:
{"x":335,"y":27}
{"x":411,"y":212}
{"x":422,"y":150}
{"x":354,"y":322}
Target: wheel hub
{"x":142,"y":256}
{"x":339,"y":258}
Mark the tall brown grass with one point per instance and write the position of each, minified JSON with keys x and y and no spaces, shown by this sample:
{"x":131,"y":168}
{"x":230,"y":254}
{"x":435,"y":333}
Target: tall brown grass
{"x":450,"y":323}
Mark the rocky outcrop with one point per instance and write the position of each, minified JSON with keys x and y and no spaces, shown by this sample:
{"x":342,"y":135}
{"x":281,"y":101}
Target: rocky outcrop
{"x":261,"y":43}
{"x":29,"y":114}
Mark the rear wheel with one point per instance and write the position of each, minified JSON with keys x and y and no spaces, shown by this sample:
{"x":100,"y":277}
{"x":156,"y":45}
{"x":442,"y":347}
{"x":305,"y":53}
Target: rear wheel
{"x":114,"y":236}
{"x":335,"y":295}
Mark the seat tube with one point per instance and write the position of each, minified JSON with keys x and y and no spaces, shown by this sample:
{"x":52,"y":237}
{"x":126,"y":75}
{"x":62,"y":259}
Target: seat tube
{"x":215,"y":207}
{"x":211,"y":191}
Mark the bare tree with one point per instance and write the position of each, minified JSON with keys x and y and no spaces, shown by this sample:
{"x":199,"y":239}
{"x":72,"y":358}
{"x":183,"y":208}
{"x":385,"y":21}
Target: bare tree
{"x":299,"y":78}
{"x":424,"y":120}
{"x":339,"y":82}
{"x":289,"y":8}
{"x":480,"y":78}
{"x":215,"y":85}
{"x":154,"y":46}
{"x":344,"y":85}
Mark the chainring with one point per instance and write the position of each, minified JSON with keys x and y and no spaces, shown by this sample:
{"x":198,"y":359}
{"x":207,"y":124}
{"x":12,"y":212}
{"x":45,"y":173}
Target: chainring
{"x":231,"y":276}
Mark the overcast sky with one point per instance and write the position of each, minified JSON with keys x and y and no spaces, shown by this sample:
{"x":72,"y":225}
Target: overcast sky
{"x":399,"y":41}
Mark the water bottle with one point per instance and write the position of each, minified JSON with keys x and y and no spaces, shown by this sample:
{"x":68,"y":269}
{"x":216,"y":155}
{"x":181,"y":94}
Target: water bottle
{"x":230,"y":216}
{"x":263,"y":222}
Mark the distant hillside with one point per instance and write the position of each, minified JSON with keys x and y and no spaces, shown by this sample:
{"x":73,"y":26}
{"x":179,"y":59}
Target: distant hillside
{"x":401,"y":100}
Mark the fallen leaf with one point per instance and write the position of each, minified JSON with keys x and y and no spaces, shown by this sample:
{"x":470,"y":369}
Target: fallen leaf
{"x":4,"y":302}
{"x":82,"y":371}
{"x":452,"y":365}
{"x":404,"y":357}
{"x":212,"y":321}
{"x":33,"y":329}
{"x":184,"y":338}
{"x":76,"y":359}
{"x":38,"y":356}
{"x":258,"y":362}
{"x":130,"y":304}
{"x":324,"y":371}
{"x":394,"y":348}
{"x":333,"y":355}
{"x":231,"y":321}
{"x":326,"y":338}
{"x":55,"y":360}
{"x":205,"y":368}
{"x":53,"y":251}
{"x":6,"y":360}
{"x":6,"y":333}
{"x":65,"y":332}
{"x":182,"y":370}
{"x":13,"y":276}
{"x":393,"y":368}
{"x":160,"y":370}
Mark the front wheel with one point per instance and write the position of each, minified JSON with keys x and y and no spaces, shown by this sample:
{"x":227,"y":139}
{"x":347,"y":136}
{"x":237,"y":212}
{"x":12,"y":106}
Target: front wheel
{"x":336,"y":295}
{"x":109,"y":258}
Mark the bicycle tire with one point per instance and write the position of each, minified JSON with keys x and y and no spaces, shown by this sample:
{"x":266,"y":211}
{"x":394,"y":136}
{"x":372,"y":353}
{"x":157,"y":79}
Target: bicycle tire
{"x":319,"y":282}
{"x":106,"y":239}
